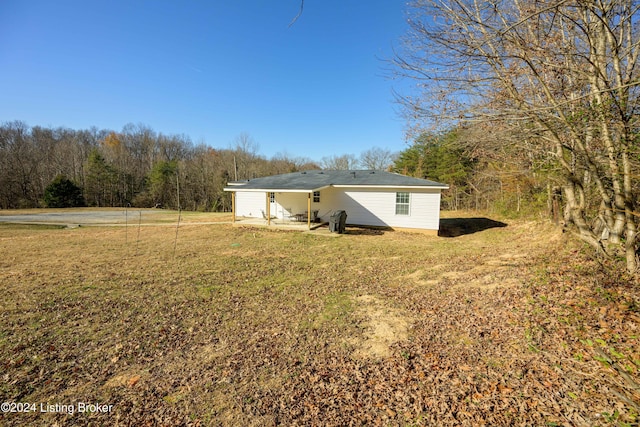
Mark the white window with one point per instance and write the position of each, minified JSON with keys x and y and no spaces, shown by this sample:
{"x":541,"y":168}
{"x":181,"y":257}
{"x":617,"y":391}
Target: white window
{"x":316,"y":197}
{"x":402,"y":203}
{"x":272,"y":197}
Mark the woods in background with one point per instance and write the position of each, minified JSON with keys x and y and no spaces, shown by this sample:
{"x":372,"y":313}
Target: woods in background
{"x":483,"y":173}
{"x":136,"y":167}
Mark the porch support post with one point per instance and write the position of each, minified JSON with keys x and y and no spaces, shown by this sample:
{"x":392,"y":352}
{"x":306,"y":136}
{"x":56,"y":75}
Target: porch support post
{"x":309,"y":211}
{"x":268,"y":208}
{"x":233,"y":207}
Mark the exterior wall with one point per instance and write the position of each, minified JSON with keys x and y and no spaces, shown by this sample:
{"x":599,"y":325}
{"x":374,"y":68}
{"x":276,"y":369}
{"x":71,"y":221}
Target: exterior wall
{"x":288,"y":204}
{"x":251,"y":204}
{"x":378,"y":207}
{"x":299,"y":203}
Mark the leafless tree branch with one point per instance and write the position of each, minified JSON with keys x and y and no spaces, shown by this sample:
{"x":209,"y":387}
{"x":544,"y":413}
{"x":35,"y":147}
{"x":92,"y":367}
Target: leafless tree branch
{"x":298,"y":15}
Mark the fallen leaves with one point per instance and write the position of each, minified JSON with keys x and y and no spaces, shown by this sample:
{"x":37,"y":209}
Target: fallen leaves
{"x":483,"y":329}
{"x":133,"y":380}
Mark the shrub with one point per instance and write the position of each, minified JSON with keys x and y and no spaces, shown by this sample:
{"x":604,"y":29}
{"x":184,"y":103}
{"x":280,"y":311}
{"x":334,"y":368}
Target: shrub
{"x":63,"y":193}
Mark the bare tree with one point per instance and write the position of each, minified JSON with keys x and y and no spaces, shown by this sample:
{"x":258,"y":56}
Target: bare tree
{"x":561,"y":74}
{"x":377,"y":158}
{"x":246,"y":144}
{"x":299,"y":13}
{"x":21,"y":166}
{"x":343,"y":162}
{"x":245,"y":150}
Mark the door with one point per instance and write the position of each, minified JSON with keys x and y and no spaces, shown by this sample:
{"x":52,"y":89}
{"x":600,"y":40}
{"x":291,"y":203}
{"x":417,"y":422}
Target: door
{"x":272,"y":205}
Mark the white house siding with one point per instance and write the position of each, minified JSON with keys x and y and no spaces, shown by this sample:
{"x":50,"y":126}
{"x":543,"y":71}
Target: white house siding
{"x":374,"y":206}
{"x":291,"y":203}
{"x":287,"y":204}
{"x":378,"y":207}
{"x":250,"y":204}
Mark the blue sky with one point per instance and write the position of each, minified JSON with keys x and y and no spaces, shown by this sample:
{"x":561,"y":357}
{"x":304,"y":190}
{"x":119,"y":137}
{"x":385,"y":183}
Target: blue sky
{"x":210,"y":70}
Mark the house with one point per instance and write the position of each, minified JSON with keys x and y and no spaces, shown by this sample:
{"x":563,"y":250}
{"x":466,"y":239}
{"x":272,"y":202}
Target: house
{"x":369,"y":197}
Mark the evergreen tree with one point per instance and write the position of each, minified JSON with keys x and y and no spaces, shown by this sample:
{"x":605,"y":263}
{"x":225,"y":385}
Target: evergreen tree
{"x":438,"y":157}
{"x":63,"y":193}
{"x":101,"y":181}
{"x":162,"y":183}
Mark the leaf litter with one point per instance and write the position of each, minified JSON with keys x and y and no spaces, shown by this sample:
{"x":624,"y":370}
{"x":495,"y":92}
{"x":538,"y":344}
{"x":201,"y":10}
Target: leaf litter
{"x":509,"y":326}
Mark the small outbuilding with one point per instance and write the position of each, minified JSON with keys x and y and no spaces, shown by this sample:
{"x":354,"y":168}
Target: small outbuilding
{"x":369,"y":198}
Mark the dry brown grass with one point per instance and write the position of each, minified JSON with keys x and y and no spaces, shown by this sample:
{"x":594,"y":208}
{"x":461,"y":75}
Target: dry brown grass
{"x":259,"y":327}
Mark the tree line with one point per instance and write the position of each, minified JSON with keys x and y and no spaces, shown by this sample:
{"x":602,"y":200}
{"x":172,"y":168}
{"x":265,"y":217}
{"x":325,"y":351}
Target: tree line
{"x":135,"y":167}
{"x":62,"y":167}
{"x":481,"y":171}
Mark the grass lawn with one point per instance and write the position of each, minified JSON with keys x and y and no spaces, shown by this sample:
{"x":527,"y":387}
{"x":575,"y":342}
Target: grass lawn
{"x":229,"y":326}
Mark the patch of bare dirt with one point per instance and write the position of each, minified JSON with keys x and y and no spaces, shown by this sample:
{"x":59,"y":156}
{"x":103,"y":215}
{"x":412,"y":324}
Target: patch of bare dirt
{"x":490,"y":274}
{"x":384,"y":326}
{"x":418,"y":278}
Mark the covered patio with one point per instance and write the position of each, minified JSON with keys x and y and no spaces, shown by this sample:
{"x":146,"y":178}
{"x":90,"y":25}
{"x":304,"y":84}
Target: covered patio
{"x":284,"y":208}
{"x":278,"y":223}
{"x":293,"y":204}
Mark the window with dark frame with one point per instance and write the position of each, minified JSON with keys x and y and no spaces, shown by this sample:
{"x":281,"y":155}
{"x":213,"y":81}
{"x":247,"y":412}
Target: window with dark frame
{"x":402,"y":203}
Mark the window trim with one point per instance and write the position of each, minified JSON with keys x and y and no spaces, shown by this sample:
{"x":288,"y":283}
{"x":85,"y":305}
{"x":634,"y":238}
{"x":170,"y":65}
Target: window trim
{"x":401,"y":204}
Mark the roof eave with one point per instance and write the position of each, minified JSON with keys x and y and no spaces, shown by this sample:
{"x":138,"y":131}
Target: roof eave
{"x":275,"y":189}
{"x":310,"y":190}
{"x":439,"y":187}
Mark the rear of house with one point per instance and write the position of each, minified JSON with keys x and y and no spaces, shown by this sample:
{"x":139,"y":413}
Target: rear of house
{"x":391,"y":207}
{"x":371,"y":198}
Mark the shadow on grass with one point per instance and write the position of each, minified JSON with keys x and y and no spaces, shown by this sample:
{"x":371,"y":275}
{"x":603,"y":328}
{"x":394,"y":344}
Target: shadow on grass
{"x":454,"y":227}
{"x":366,"y":231}
{"x":27,"y":226}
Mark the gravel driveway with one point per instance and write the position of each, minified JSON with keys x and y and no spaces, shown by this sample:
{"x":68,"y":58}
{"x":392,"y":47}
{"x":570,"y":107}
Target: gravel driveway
{"x":79,"y":218}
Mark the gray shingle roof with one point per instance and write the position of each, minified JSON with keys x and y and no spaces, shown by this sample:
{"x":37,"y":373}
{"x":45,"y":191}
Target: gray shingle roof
{"x":317,"y":179}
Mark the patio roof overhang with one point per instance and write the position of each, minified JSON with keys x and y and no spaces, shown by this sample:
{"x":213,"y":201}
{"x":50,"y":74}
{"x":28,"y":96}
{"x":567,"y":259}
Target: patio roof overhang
{"x":275,"y":189}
